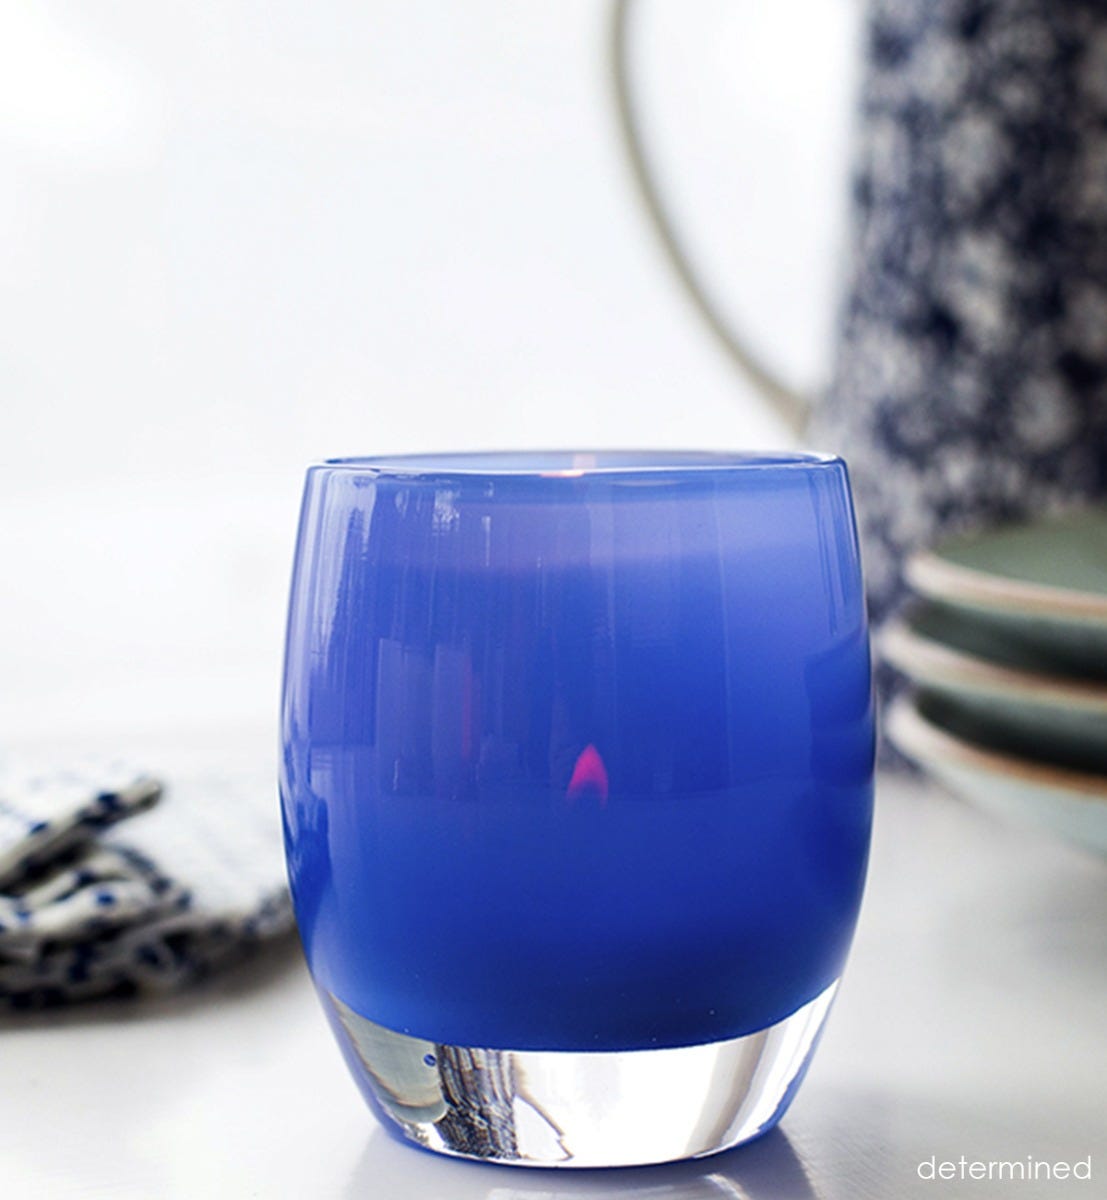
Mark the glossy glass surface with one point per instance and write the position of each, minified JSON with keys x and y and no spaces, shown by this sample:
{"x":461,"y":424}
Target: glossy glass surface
{"x":577,"y":747}
{"x":587,"y":1108}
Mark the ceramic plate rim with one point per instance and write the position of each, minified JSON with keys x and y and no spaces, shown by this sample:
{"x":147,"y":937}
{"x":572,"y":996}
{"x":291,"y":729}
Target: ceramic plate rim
{"x":929,"y":744}
{"x":932,"y":663}
{"x":934,"y":576}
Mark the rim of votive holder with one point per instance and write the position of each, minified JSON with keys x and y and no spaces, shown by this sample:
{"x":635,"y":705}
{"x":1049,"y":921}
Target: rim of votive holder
{"x":573,"y":464}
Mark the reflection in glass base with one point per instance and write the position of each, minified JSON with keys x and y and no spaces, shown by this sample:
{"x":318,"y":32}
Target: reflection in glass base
{"x":553,"y":1108}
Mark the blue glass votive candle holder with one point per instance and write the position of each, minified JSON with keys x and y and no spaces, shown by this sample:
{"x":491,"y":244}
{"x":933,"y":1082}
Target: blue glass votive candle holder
{"x":577,"y":790}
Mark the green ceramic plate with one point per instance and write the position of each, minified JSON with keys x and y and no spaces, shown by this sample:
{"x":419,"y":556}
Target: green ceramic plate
{"x":963,"y":661}
{"x":1041,"y":585}
{"x":1071,"y":804}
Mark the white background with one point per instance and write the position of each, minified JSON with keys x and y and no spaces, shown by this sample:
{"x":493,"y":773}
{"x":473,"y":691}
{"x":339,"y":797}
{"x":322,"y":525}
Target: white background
{"x":240,"y":236}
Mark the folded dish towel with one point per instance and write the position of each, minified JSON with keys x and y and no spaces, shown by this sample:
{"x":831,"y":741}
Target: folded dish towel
{"x":112,"y":883}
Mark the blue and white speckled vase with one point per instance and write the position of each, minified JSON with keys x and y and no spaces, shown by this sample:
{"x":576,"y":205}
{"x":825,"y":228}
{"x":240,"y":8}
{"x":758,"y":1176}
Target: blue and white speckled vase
{"x":971,"y":378}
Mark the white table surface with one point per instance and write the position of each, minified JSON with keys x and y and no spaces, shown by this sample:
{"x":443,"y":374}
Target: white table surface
{"x":971,"y":1022}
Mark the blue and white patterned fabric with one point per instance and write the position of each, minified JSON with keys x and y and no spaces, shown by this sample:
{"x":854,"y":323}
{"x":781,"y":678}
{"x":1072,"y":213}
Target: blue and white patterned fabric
{"x":94,"y":902}
{"x":44,"y":813}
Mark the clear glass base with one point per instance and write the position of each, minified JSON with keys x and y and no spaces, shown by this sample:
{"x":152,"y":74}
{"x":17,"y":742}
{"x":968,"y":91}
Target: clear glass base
{"x":554,"y":1108}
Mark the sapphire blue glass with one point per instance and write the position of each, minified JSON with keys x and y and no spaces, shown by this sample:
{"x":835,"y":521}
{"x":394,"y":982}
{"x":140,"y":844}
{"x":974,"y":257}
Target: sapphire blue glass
{"x":577,"y":747}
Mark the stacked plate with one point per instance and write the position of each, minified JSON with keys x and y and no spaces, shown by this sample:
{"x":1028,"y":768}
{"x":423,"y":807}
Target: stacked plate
{"x":1007,"y":648}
